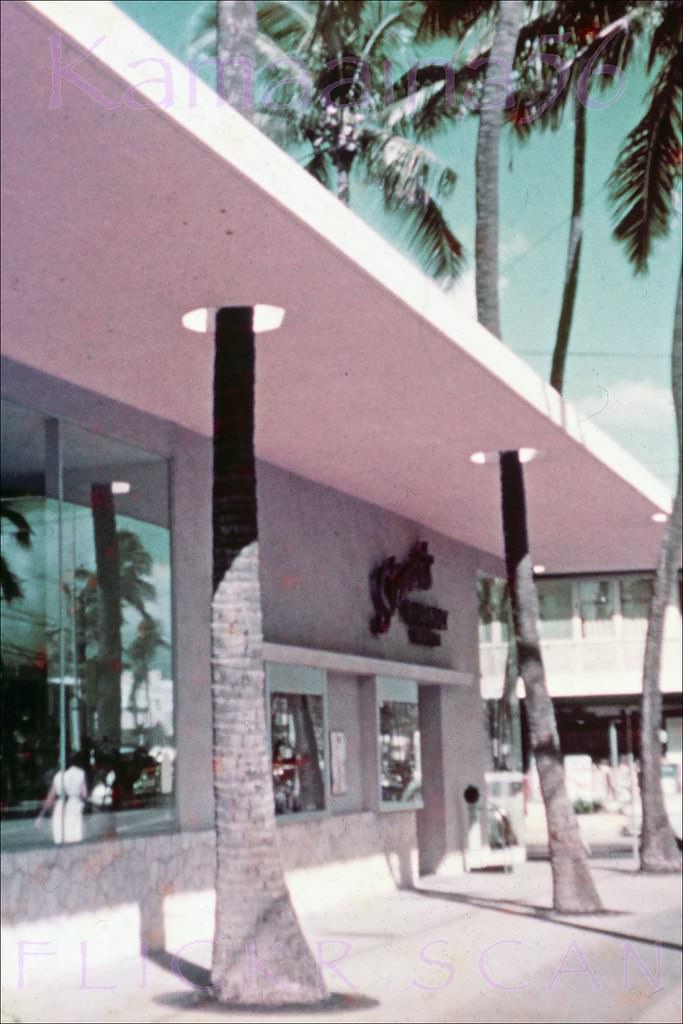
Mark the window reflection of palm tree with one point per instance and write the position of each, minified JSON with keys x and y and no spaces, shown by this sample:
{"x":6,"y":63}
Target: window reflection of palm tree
{"x":310,"y":775}
{"x":134,"y":590}
{"x":11,"y":589}
{"x":9,"y":582}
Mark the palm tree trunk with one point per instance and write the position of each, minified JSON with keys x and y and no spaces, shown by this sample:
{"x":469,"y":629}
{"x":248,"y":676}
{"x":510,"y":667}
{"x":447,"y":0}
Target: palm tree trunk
{"x":236,"y":53}
{"x":343,"y":186}
{"x":260,"y":954}
{"x":658,"y":849}
{"x":108,"y":614}
{"x":573,"y":888}
{"x":573,"y":251}
{"x":508,"y":21}
{"x":509,"y":702}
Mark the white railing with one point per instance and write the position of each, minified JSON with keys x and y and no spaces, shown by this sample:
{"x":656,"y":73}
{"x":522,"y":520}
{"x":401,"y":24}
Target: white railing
{"x":587,"y":667}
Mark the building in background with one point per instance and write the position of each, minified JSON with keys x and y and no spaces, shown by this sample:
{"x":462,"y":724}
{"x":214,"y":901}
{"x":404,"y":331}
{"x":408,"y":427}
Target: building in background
{"x":593,"y":640}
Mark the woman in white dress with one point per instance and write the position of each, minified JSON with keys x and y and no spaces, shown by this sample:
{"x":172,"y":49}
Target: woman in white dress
{"x":66,"y":796}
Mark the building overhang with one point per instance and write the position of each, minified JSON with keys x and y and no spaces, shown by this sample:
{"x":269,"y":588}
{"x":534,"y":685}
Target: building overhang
{"x":119,"y":220}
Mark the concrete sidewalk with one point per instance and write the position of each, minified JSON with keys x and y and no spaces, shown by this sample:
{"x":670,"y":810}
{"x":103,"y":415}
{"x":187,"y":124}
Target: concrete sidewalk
{"x":478,"y":947}
{"x":603,"y":833}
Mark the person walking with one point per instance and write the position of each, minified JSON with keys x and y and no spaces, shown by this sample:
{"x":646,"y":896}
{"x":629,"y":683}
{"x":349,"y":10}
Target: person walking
{"x":67,"y":795}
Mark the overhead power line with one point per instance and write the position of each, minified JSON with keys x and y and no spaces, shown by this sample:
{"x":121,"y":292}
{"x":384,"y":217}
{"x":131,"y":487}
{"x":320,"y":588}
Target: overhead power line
{"x":602,"y":355}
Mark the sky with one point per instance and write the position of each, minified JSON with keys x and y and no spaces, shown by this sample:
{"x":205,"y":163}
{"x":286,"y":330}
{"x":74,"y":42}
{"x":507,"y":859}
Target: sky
{"x":618,"y":371}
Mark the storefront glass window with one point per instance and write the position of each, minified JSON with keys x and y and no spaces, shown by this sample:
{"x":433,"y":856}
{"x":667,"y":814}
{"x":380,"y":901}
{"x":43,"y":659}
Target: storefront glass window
{"x":400,"y":752}
{"x":297,"y":732}
{"x":399,"y":743}
{"x":87,"y":691}
{"x":298,"y":752}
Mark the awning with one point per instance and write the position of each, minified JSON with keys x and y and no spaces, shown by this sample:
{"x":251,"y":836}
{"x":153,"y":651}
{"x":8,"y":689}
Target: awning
{"x":119,"y":220}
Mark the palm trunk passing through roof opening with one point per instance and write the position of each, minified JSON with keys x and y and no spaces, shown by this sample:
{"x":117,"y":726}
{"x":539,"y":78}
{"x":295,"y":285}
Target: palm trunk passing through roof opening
{"x":260,"y":955}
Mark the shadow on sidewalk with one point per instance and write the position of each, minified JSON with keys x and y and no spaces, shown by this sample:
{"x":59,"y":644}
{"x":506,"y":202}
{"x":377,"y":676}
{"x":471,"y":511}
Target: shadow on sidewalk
{"x":199,"y":979}
{"x":540,"y":913}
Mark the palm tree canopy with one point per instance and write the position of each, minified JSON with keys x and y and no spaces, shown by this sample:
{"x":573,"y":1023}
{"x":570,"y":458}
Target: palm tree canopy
{"x":323,"y":90}
{"x":454,"y":17}
{"x":135,"y":563}
{"x":648,"y":170}
{"x":567,"y":45}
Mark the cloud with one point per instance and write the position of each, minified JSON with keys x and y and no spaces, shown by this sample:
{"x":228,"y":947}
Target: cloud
{"x":632,"y":405}
{"x":513,"y":247}
{"x":639,"y":415}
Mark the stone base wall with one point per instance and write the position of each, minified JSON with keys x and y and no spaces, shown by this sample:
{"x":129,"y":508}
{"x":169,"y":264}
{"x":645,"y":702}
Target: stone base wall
{"x":348,"y":857}
{"x":66,"y":910}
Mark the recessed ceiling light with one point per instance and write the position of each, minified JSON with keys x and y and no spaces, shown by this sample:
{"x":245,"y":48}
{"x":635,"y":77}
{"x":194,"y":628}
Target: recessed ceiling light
{"x":197,"y":320}
{"x":539,"y":569}
{"x":525,"y":455}
{"x":120,"y":487}
{"x":659,"y":517}
{"x":480,"y":458}
{"x":267,"y":318}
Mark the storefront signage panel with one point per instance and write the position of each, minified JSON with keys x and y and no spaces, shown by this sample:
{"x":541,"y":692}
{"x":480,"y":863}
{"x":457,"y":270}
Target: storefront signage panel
{"x":391,"y":581}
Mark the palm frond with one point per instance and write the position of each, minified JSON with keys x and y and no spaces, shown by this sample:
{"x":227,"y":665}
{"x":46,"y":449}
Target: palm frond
{"x":289,"y":24}
{"x":10,"y":586}
{"x":201,"y":32}
{"x":135,"y":563}
{"x":546,"y":24}
{"x":542,"y":96}
{"x":283,"y":85}
{"x":20,"y":523}
{"x":432,"y":96}
{"x":431,"y":239}
{"x":337,"y":23}
{"x":285,"y":24}
{"x":321,"y":168}
{"x":400,"y":164}
{"x":666,"y":38}
{"x":413,"y":179}
{"x":649,"y":165}
{"x":453,"y":17}
{"x":284,"y":130}
{"x":394,"y":26}
{"x":582,"y":34}
{"x":541,"y":110}
{"x":202,"y":48}
{"x":271,"y":53}
{"x":423,"y":104}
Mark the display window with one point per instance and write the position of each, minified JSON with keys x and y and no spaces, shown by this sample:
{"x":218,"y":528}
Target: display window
{"x":298,"y":739}
{"x":400,"y":764}
{"x":88,"y":736}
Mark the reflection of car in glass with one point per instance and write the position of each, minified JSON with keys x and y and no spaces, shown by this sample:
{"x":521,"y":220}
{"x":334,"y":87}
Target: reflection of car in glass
{"x":147,"y":784}
{"x":286,"y":779}
{"x":125,"y":778}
